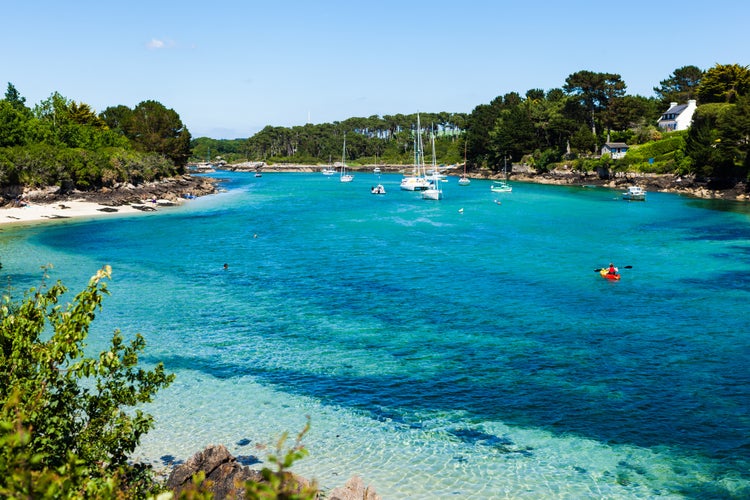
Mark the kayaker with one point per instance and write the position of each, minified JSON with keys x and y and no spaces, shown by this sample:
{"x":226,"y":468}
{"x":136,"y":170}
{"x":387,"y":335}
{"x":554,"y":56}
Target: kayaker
{"x":612,"y":269}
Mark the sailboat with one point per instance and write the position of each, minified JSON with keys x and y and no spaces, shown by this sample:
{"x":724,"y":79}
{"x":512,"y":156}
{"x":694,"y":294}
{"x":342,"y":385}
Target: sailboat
{"x":464,"y":181}
{"x":329,"y":170}
{"x":502,"y":186}
{"x":344,"y":176}
{"x":434,"y":192}
{"x":416,"y":181}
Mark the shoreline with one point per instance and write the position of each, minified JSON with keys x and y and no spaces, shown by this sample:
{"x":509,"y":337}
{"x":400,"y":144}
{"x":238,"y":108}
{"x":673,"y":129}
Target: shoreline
{"x":686,"y":185}
{"x":73,"y":209}
{"x":43,"y":205}
{"x":49,"y":204}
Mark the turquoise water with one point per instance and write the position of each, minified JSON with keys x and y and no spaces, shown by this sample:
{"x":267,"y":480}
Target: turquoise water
{"x":439,"y":353}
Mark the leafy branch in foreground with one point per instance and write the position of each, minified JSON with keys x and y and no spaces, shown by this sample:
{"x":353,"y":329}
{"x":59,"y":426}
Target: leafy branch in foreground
{"x":280,"y":483}
{"x":68,"y":422}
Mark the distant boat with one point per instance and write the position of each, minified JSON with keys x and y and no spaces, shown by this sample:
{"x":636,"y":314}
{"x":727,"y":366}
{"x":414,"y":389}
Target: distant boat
{"x":502,"y":186}
{"x":328,"y":170}
{"x":464,"y":181}
{"x":434,"y":192}
{"x":379,"y":189}
{"x":416,"y":181}
{"x":344,"y":176}
{"x":634,"y":193}
{"x":376,"y":170}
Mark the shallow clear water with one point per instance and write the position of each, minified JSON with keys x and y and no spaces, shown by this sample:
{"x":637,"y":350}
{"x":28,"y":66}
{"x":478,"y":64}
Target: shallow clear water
{"x":438,"y":353}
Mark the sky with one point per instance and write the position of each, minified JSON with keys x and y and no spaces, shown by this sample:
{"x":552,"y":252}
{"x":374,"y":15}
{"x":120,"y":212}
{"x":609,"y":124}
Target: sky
{"x":229,"y":68}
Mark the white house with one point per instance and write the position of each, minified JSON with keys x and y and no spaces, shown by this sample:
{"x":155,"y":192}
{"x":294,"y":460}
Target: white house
{"x":616,"y":150}
{"x":678,"y":116}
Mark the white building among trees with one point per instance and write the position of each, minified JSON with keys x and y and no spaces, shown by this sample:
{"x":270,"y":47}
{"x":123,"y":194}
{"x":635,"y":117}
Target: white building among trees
{"x":678,"y":116}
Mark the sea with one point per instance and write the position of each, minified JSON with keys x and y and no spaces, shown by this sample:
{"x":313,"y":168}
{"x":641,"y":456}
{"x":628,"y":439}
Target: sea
{"x":465,"y":348}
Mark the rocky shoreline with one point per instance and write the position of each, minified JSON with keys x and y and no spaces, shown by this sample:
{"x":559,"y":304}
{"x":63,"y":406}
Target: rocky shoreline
{"x":172,"y":190}
{"x":663,"y":183}
{"x":666,"y":183}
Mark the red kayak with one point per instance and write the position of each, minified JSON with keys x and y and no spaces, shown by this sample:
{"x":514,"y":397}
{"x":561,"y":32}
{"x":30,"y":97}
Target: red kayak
{"x":605,"y":274}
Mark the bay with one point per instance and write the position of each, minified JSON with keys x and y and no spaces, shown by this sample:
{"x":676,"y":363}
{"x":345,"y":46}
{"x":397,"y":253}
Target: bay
{"x":463,"y":348}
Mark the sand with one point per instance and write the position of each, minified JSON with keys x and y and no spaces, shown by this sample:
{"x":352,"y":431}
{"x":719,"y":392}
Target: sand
{"x":35,"y":212}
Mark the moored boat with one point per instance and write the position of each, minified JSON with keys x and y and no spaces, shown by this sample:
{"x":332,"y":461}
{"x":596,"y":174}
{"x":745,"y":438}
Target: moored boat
{"x":501,"y":187}
{"x":345,"y":177}
{"x":634,"y":193}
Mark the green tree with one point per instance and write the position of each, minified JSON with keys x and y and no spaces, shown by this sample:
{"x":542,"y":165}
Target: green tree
{"x":479,"y":124}
{"x":155,"y":129}
{"x":595,"y":91}
{"x":15,"y":99}
{"x":513,"y":135}
{"x":703,"y":143}
{"x":69,"y":422}
{"x":680,"y":86}
{"x":117,"y":118}
{"x":13,"y":123}
{"x":734,"y":128}
{"x":724,"y":83}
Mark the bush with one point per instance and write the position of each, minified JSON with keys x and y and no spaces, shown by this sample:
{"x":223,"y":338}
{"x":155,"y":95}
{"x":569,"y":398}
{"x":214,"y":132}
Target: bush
{"x":69,"y":422}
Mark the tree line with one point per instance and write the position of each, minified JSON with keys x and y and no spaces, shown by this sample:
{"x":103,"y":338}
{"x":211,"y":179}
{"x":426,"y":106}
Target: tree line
{"x":61,"y":142}
{"x":542,"y":128}
{"x":66,"y":143}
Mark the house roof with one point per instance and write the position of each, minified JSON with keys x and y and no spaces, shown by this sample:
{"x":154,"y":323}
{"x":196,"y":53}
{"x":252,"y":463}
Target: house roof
{"x":676,"y":109}
{"x":613,"y":145}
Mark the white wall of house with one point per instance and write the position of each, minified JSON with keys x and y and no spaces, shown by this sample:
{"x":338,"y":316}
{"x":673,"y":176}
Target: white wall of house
{"x":616,"y":150}
{"x":678,"y":117}
{"x":686,"y":117}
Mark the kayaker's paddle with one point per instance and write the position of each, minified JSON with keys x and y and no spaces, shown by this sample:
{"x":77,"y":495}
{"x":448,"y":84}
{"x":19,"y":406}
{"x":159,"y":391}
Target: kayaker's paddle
{"x":623,"y":267}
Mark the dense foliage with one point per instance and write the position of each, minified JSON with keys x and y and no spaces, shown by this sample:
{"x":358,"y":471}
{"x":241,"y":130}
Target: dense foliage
{"x":69,"y":421}
{"x":543,"y":128}
{"x":61,"y":142}
{"x":389,"y":139}
{"x":64,"y":143}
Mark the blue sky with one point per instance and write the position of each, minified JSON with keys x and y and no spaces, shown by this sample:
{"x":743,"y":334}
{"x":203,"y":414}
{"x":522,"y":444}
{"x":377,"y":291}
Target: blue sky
{"x":229,"y":68}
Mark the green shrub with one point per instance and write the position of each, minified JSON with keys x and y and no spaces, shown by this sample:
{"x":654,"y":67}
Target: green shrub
{"x":69,"y":422}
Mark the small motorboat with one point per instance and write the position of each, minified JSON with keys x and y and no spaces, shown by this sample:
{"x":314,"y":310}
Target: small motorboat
{"x":634,"y":193}
{"x":379,"y":189}
{"x":501,"y":187}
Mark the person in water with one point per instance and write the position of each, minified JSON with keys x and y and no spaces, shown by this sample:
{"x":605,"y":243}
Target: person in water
{"x":612,"y":269}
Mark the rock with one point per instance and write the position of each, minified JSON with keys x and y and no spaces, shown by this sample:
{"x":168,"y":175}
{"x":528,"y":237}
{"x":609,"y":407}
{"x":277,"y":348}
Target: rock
{"x":221,"y":468}
{"x":354,"y":489}
{"x":225,"y":477}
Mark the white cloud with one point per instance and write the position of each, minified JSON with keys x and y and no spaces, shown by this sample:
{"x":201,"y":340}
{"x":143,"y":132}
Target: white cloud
{"x":156,"y":44}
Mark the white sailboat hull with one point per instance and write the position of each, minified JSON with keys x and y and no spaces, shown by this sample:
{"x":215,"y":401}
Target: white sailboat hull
{"x":415,"y":184}
{"x":432,"y":194}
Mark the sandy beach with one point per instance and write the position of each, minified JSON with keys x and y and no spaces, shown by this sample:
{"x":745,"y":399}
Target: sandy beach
{"x":47,"y":204}
{"x":37,"y":212}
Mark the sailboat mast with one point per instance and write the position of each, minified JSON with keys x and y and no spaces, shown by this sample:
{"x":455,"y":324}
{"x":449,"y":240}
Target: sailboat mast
{"x":432,"y":139}
{"x":418,"y":147}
